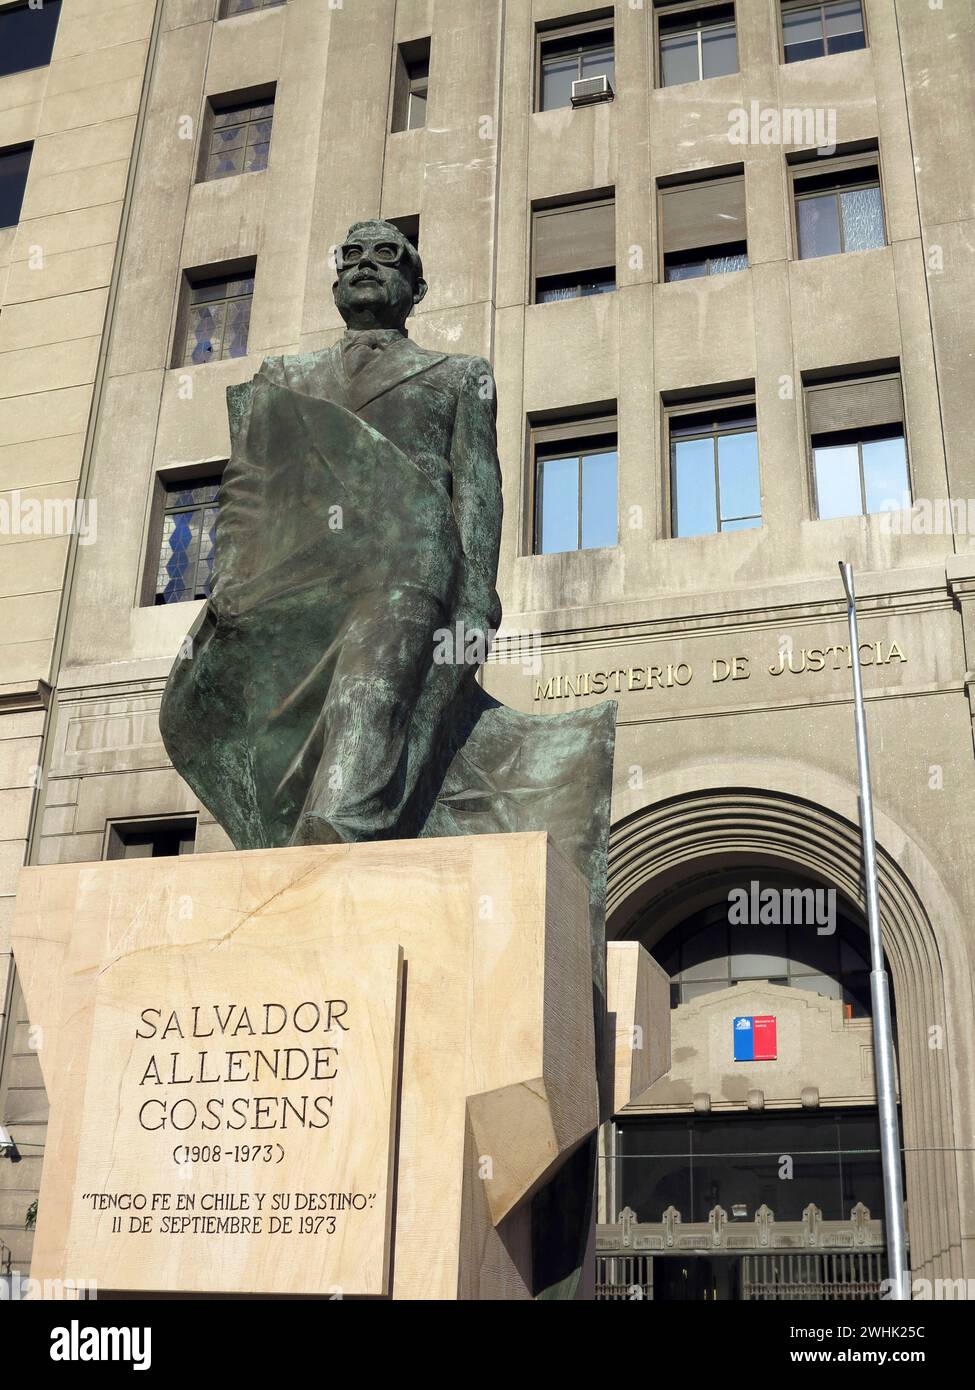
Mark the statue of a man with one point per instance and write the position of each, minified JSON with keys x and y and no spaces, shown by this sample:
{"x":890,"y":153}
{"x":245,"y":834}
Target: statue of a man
{"x":316,"y":698}
{"x":360,"y":515}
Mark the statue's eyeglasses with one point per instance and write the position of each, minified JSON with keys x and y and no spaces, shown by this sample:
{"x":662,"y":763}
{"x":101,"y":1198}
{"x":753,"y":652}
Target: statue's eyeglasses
{"x":385,"y":252}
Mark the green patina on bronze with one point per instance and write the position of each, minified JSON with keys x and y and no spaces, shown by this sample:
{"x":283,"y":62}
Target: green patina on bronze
{"x":360,"y":515}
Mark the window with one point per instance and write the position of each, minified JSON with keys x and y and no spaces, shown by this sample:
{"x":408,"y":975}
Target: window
{"x":410,"y":227}
{"x":707,"y":952}
{"x":236,"y":137}
{"x":411,"y":85}
{"x":215,"y":319}
{"x":150,"y":839}
{"x":696,"y":43}
{"x":703,"y":227}
{"x":859,"y":450}
{"x":581,"y":53}
{"x":574,"y":250}
{"x":714,"y":477}
{"x":575,"y":466}
{"x":14,"y":164}
{"x":232,"y":7}
{"x":697,"y":1162}
{"x":813,"y":31}
{"x":27,"y":36}
{"x":186,"y":537}
{"x":840,"y":209}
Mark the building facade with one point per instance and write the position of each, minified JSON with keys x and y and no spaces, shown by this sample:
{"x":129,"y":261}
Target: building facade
{"x":721,"y":259}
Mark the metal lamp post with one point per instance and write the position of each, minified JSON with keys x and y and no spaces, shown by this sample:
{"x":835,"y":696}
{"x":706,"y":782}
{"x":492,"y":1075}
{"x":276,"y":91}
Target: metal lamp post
{"x":883,"y":1037}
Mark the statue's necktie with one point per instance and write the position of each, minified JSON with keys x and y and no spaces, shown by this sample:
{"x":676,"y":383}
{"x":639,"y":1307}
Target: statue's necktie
{"x":360,"y":349}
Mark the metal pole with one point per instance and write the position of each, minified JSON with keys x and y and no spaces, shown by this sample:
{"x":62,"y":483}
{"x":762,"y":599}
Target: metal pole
{"x":883,"y":1037}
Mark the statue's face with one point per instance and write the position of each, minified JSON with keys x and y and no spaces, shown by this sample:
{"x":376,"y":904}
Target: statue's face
{"x":377,"y":284}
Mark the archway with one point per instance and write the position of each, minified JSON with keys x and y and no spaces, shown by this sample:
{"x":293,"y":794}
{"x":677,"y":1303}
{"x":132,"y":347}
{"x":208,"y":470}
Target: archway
{"x":663,"y":861}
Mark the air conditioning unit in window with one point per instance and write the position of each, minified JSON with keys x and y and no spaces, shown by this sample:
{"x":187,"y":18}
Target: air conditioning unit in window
{"x":586,"y":90}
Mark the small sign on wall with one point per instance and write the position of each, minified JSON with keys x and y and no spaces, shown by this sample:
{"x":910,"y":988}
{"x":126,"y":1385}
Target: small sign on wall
{"x":755,"y":1039}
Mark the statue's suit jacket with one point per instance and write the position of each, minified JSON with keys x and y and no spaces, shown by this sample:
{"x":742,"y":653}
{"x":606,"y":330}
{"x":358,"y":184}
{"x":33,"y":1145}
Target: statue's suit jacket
{"x":439,"y":409}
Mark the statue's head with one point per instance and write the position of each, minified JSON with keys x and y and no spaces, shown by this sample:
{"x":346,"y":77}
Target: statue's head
{"x":380,"y":276}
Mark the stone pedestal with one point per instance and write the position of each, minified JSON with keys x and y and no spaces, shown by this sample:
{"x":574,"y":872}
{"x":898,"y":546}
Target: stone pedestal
{"x":333,"y":1070}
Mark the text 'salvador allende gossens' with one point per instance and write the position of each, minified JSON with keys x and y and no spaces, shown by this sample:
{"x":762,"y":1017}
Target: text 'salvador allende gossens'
{"x":230,"y":1045}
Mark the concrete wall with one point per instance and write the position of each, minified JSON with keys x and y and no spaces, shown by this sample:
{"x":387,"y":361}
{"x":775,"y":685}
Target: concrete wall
{"x":56,"y":277}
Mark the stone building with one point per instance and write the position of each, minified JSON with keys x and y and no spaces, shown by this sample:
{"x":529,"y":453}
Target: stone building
{"x":721,"y":257}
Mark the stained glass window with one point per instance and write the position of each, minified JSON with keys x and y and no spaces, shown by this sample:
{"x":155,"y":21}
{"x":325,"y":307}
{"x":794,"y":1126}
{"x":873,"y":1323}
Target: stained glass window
{"x":218,"y":313}
{"x":189,"y":527}
{"x":238,"y":139}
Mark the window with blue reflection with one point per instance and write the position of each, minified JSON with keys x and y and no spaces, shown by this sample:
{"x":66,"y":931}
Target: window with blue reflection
{"x":859,"y":475}
{"x":27,"y":36}
{"x":816,"y":31}
{"x":715,"y":481}
{"x":185,"y":569}
{"x":835,"y":214}
{"x":694,"y":47}
{"x":576,"y":497}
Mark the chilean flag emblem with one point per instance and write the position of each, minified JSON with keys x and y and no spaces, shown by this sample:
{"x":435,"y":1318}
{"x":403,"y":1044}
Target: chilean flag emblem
{"x":755,"y":1039}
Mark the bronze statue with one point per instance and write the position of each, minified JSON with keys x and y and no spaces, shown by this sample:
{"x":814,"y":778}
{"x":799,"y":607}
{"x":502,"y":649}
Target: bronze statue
{"x":360,"y":519}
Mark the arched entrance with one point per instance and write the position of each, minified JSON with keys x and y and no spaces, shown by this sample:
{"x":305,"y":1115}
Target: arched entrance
{"x":671,"y":860}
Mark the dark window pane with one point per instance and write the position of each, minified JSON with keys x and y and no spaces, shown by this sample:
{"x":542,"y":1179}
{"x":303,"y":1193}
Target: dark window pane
{"x":819,"y":226}
{"x":679,"y":269}
{"x":757,"y":952}
{"x":417,"y":115}
{"x":885,"y":475}
{"x":27,"y":36}
{"x":558,"y":76}
{"x":838,"y":481}
{"x":679,"y":59}
{"x":550,"y":288}
{"x":738,"y":476}
{"x":599,"y":522}
{"x":844,"y":27}
{"x":719,"y":51}
{"x":704,"y":956}
{"x":14,"y":165}
{"x":803,"y":34}
{"x":558,"y":486}
{"x":696,"y":508}
{"x":863,"y":219}
{"x":601,"y":62}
